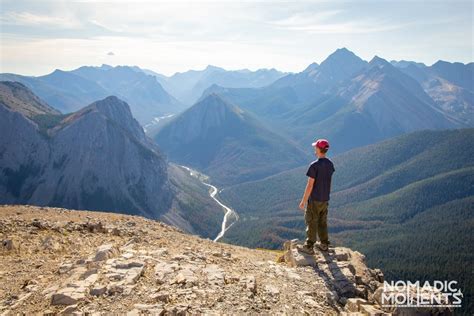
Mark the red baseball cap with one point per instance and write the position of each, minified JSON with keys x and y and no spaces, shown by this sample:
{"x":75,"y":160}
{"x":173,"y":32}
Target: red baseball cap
{"x":321,"y":143}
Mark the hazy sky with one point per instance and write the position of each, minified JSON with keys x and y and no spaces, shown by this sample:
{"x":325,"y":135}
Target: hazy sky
{"x":168,"y":36}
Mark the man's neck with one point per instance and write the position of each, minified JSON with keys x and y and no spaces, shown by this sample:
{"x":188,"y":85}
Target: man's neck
{"x":321,"y":156}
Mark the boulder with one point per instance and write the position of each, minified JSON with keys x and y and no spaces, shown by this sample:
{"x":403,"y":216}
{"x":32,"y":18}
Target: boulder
{"x":272,"y":290}
{"x":98,"y":290}
{"x":250,"y":283}
{"x":105,"y":252}
{"x":341,"y":254}
{"x":161,"y":297}
{"x":164,"y":270}
{"x":353,"y":304}
{"x":68,"y":296}
{"x":294,"y":258}
{"x":370,"y":310}
{"x":214,"y":274}
{"x":185,"y":276}
{"x":114,"y":288}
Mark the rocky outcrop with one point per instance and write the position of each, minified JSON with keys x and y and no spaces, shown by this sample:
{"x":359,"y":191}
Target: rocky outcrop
{"x":355,"y":286}
{"x":105,"y":263}
{"x":93,"y":262}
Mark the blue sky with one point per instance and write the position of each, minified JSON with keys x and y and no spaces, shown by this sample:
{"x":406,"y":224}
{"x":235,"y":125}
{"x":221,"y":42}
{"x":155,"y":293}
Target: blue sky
{"x":169,"y":36}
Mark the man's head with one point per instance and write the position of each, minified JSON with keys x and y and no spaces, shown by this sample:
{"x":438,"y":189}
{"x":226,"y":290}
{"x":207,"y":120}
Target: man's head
{"x":321,"y":147}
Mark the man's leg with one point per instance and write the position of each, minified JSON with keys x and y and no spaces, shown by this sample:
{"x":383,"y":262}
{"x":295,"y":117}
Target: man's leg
{"x":311,"y":224}
{"x":322,"y":222}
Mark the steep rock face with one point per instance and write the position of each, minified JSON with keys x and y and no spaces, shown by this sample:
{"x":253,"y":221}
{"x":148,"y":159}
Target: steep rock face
{"x":459,"y":74}
{"x":97,"y":158}
{"x":392,"y":99}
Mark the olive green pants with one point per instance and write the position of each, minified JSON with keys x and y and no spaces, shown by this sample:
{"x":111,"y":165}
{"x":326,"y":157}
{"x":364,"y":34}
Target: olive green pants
{"x":316,"y":219}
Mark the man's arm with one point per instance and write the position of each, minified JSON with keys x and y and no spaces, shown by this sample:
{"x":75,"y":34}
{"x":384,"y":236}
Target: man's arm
{"x":307,"y":192}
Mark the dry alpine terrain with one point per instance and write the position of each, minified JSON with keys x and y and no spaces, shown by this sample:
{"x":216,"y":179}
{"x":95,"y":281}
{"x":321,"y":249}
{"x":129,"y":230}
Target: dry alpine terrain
{"x":58,"y":261}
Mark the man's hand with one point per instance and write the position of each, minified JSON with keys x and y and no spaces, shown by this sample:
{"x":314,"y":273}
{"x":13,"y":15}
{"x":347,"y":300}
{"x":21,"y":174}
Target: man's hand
{"x":302,"y":205}
{"x":307,"y":192}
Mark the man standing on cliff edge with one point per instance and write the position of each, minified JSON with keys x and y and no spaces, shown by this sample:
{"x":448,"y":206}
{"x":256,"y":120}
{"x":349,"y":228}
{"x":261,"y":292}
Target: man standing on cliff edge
{"x":316,"y":197}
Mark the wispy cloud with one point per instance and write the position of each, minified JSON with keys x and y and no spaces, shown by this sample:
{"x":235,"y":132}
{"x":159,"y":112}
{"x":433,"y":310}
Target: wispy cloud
{"x":175,"y":35}
{"x":32,"y":19}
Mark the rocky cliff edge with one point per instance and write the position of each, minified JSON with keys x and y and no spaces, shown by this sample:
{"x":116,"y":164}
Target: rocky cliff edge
{"x":58,"y":261}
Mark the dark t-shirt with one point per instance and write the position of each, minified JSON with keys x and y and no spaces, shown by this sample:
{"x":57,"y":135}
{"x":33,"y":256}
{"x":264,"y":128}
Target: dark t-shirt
{"x":321,"y":170}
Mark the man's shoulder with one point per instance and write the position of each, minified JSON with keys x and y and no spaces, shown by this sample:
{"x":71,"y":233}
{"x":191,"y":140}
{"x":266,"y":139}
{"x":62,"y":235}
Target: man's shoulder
{"x":324,"y":162}
{"x":314,"y":163}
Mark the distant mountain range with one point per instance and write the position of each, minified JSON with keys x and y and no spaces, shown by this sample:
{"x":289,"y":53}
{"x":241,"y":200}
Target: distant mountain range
{"x":354,"y":103}
{"x":188,"y":86}
{"x":450,"y":85}
{"x":69,"y":91}
{"x":97,"y":158}
{"x":227,"y":143}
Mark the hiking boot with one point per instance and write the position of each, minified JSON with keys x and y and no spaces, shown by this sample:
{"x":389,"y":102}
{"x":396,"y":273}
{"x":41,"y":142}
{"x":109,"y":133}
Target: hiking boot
{"x":306,"y":249}
{"x":323,"y":247}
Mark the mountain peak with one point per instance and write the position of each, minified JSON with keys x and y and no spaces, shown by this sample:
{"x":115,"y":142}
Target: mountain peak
{"x":340,"y":55}
{"x":112,"y":105}
{"x":340,"y":65}
{"x":211,"y":67}
{"x":214,"y":102}
{"x":378,"y":61}
{"x":58,"y":72}
{"x":115,"y":110}
{"x":311,"y":67}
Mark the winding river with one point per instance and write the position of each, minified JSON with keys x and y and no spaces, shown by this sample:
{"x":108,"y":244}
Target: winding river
{"x":229,"y":213}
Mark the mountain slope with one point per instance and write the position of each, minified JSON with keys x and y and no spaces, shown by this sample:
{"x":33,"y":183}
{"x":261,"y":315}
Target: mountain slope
{"x":143,"y":92}
{"x":18,"y":98}
{"x":96,"y":158}
{"x":377,"y":103}
{"x":460,"y":74}
{"x":226,"y":143}
{"x":450,"y":86}
{"x":64,"y":91}
{"x":364,"y":173}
